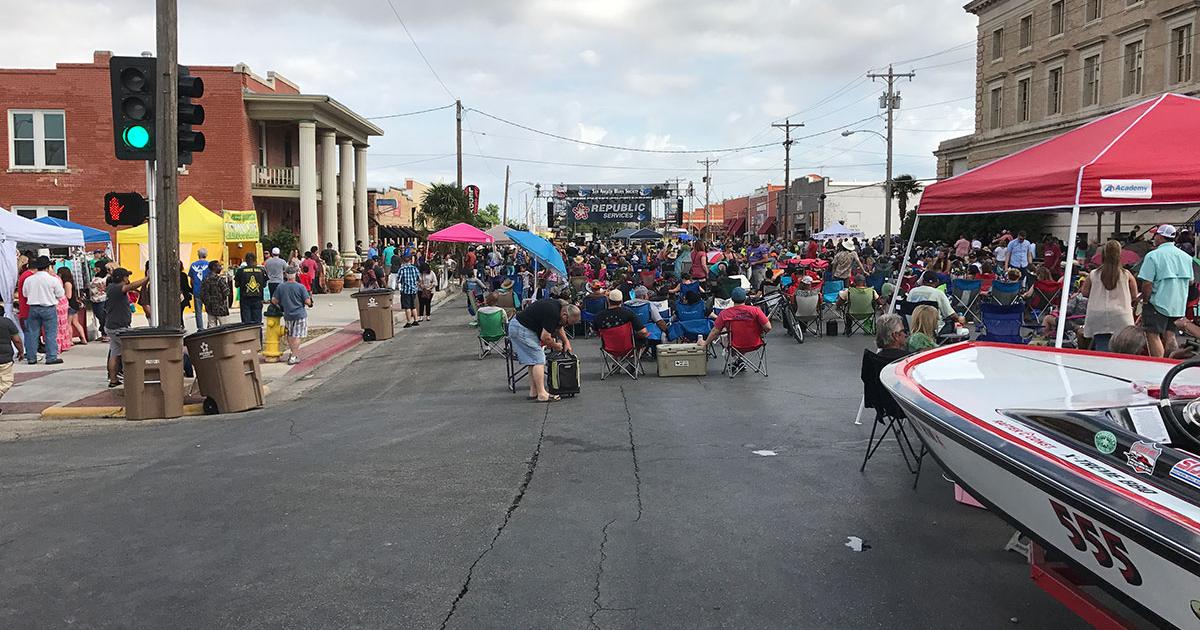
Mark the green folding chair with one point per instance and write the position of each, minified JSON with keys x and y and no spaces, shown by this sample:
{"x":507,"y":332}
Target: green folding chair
{"x":860,"y":310}
{"x":492,"y":334}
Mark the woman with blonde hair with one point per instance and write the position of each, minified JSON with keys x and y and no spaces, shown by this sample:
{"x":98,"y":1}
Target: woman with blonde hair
{"x":1111,"y":292}
{"x":924,"y":327}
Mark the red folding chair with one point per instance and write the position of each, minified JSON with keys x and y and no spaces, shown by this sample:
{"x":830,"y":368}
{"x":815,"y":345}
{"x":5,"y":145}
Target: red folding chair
{"x":620,"y":352}
{"x":745,"y":348}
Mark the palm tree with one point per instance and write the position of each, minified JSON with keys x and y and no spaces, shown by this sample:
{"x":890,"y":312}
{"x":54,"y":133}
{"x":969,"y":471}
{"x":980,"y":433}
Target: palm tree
{"x":903,"y":187}
{"x":444,"y":205}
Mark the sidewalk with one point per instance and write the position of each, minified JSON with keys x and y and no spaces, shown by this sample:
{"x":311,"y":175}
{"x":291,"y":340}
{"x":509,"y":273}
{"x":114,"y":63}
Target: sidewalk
{"x":78,"y":388}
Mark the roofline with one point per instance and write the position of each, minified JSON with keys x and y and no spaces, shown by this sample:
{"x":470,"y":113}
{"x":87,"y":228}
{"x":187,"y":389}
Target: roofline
{"x":320,"y":107}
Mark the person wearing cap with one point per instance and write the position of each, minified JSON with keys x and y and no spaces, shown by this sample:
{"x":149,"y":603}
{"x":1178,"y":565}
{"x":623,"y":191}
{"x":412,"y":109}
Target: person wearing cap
{"x":740,"y":311}
{"x":42,"y":290}
{"x":617,"y":315}
{"x":197,"y":271}
{"x":274,"y":266}
{"x":117,"y":316}
{"x":1165,"y":275}
{"x":294,"y":300}
{"x":928,"y":291}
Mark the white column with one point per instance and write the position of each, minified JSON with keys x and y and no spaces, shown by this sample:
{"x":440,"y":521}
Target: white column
{"x":361,"y":228}
{"x":329,"y":196}
{"x":346,"y":192}
{"x":308,"y":185}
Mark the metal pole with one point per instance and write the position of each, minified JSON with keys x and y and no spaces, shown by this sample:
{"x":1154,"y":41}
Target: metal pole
{"x":1066,"y":291}
{"x":787,"y":176}
{"x":504,"y":215}
{"x":152,"y":245}
{"x":890,"y":105}
{"x":458,"y":139}
{"x":166,"y":313}
{"x":707,"y":162}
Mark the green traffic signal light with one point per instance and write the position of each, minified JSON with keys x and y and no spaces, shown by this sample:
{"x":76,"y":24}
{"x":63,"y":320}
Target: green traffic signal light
{"x":136,"y":136}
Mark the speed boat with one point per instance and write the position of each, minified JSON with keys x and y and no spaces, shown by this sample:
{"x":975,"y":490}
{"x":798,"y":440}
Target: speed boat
{"x":1093,"y":455}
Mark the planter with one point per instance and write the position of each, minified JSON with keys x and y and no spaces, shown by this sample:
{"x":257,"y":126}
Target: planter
{"x":334,"y":285}
{"x":352,"y":281}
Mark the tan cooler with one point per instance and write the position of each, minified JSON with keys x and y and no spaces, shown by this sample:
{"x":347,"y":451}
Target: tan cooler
{"x":375,"y":314}
{"x":152,"y":359}
{"x":682,"y":359}
{"x":226,"y":363}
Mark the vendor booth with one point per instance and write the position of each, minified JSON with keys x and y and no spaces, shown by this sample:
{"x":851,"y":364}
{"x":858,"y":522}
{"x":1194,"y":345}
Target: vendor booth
{"x":16,"y":229}
{"x":241,"y":236}
{"x":199,"y":227}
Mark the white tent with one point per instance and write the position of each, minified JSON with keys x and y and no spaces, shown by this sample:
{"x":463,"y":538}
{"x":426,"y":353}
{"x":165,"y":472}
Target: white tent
{"x":17,"y":229}
{"x":498,"y":232}
{"x":836,"y":231}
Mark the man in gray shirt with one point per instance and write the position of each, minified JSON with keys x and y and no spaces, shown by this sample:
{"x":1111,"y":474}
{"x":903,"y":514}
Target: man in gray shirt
{"x":274,"y":266}
{"x":292,"y":298}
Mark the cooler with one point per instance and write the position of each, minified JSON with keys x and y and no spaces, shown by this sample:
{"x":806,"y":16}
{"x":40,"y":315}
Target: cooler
{"x":682,"y":359}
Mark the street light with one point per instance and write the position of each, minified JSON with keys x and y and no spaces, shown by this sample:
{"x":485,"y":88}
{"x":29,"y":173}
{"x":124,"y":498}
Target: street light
{"x":887,"y":204}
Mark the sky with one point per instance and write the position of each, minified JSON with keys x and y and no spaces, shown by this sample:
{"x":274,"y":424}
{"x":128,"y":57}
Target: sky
{"x":678,"y":75}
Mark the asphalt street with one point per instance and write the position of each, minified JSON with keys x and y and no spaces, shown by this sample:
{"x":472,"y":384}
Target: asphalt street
{"x":410,"y":489}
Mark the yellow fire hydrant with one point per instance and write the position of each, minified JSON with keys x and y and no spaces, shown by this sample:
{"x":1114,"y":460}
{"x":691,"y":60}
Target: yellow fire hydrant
{"x":271,"y":345}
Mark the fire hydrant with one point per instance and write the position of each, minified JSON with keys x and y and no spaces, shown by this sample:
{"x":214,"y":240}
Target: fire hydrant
{"x":271,"y":339}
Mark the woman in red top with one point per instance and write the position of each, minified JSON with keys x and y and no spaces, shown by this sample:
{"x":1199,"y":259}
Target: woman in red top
{"x":699,"y":261}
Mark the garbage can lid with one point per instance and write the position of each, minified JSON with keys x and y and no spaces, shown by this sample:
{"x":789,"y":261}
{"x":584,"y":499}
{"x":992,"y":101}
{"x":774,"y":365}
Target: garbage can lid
{"x":218,"y":330}
{"x":152,"y":331}
{"x":371,"y":292}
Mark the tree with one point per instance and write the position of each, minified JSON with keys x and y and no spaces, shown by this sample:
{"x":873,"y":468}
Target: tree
{"x":283,"y":238}
{"x":444,"y":205}
{"x":489,"y":216}
{"x":982,"y":226}
{"x":903,"y":187}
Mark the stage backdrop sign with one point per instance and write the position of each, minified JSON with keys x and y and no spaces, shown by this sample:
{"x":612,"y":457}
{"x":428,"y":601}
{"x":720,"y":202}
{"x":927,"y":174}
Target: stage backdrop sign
{"x":608,"y":210}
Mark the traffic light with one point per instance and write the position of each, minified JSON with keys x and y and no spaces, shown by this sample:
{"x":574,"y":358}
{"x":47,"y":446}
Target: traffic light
{"x":125,"y":209}
{"x":190,"y":114}
{"x":678,"y":211}
{"x":550,"y":214}
{"x":132,"y":81}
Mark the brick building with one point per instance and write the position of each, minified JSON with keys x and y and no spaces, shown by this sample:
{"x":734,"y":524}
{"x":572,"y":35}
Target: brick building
{"x":1044,"y":67}
{"x":262,"y":151}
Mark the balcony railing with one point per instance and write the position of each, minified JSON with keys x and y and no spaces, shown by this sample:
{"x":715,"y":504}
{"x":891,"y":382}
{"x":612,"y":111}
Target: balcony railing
{"x":285,"y":177}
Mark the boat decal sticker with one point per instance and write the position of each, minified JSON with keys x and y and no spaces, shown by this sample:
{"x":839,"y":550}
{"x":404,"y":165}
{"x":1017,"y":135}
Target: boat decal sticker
{"x":1187,"y":471}
{"x":1109,"y":474}
{"x":1143,"y":456}
{"x":1106,"y":442}
{"x":1106,"y":547}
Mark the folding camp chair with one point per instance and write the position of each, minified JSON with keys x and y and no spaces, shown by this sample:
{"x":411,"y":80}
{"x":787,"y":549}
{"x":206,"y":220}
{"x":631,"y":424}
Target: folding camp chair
{"x":1005,"y":292}
{"x":906,"y":308}
{"x":691,"y":324}
{"x":875,"y":281}
{"x":1002,"y":323}
{"x":591,"y":307}
{"x":860,"y":310}
{"x":964,"y":295}
{"x":664,"y":308}
{"x":810,"y":315}
{"x":1046,"y":295}
{"x":887,"y":413}
{"x":745,"y":348}
{"x":492,"y":335}
{"x":830,"y":290}
{"x":619,"y":351}
{"x":643,"y":314}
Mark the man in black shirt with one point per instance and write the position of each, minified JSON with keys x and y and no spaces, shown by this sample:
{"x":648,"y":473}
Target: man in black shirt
{"x":541,"y":323}
{"x":617,"y":315}
{"x":250,"y":281}
{"x":117,"y":316}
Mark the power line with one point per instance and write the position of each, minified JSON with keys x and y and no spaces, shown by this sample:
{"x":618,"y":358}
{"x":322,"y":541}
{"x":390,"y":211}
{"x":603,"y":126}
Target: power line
{"x":419,"y":51}
{"x":936,"y":54}
{"x":437,"y":157}
{"x":420,"y":111}
{"x":943,"y":65}
{"x":650,"y":168}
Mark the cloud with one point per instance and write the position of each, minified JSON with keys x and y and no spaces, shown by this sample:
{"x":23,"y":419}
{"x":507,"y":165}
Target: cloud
{"x":590,"y":57}
{"x":658,"y":84}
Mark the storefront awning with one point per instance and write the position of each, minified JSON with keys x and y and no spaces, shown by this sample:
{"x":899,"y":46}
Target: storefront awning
{"x":768,"y":226}
{"x":735,"y":226}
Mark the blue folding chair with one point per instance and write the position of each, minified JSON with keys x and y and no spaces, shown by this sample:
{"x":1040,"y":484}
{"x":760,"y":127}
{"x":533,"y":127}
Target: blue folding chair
{"x":829,"y":293}
{"x":1002,"y":322}
{"x":1004,"y":293}
{"x":964,"y":295}
{"x":691,"y":322}
{"x":643,"y":315}
{"x":875,"y":281}
{"x":591,"y":307}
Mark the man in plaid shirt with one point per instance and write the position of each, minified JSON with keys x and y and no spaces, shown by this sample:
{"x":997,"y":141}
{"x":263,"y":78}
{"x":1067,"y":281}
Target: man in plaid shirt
{"x":406,"y":279}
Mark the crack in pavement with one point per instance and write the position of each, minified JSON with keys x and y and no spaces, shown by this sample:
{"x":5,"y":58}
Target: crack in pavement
{"x":637,"y":469}
{"x":512,"y":507}
{"x":292,"y":428}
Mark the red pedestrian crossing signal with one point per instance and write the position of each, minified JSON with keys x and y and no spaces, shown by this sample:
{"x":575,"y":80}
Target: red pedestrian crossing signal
{"x":125,"y":209}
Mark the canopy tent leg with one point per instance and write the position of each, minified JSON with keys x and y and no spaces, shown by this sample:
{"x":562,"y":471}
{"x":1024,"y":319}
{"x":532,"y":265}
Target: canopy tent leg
{"x":1066,"y":290}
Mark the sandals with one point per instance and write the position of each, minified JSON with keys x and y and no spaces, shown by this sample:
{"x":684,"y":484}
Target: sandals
{"x":552,"y":398}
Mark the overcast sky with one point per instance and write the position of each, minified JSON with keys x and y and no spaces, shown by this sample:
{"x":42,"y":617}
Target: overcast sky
{"x":655,"y":74}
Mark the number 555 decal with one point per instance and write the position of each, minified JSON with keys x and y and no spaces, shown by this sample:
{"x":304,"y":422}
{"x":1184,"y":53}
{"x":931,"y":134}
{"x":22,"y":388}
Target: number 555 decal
{"x":1104,"y":545}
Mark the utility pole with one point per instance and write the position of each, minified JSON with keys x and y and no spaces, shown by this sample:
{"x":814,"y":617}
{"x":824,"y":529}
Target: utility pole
{"x":504,"y":215}
{"x":707,"y":162}
{"x":166,"y":219}
{"x":458,"y":139}
{"x":890,"y":101}
{"x":787,"y":127}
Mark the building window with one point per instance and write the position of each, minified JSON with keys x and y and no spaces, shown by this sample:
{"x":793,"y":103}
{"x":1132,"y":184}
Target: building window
{"x":287,"y":152}
{"x":1181,"y":54}
{"x":1026,"y":32}
{"x":1091,"y":11}
{"x":997,"y":44}
{"x":1133,"y":69}
{"x":1091,"y":80}
{"x":37,"y":139}
{"x":1054,"y":91}
{"x":1023,"y":100}
{"x":1058,"y":24}
{"x":37,"y":212}
{"x":996,"y":105}
{"x":262,"y":144}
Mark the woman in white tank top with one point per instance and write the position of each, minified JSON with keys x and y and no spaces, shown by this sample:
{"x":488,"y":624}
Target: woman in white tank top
{"x":1111,"y":291}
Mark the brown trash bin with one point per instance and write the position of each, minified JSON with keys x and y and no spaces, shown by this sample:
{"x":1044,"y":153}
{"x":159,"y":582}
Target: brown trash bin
{"x":226,"y":362}
{"x":375,"y":314}
{"x":152,"y":359}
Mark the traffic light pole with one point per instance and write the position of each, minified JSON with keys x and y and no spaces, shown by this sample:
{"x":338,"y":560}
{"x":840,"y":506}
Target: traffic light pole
{"x":152,"y":238}
{"x":164,"y":217}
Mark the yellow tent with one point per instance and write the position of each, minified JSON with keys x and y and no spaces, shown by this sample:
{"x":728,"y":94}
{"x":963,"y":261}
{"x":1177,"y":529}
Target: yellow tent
{"x":198,"y":227}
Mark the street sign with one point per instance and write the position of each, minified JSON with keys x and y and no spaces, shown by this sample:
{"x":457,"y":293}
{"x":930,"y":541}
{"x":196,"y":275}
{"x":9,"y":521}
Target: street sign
{"x":472,"y":197}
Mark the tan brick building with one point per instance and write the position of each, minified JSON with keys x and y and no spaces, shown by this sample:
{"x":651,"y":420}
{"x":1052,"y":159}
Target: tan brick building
{"x":1047,"y":66}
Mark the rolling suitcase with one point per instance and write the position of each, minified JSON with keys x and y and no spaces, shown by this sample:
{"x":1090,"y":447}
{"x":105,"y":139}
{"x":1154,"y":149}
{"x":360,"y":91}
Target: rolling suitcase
{"x":562,"y":374}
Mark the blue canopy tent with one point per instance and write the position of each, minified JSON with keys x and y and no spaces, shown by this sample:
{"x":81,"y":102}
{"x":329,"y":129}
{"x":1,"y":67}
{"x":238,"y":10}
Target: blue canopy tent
{"x":90,"y":234}
{"x":541,"y":250}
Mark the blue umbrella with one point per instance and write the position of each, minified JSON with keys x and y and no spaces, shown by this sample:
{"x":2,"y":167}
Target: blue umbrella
{"x":541,"y":250}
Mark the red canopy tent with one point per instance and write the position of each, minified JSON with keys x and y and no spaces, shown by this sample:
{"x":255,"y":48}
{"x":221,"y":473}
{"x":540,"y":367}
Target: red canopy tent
{"x":1144,"y":155}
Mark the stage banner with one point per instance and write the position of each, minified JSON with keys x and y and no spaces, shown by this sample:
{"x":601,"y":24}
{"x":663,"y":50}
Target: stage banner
{"x":608,"y":210}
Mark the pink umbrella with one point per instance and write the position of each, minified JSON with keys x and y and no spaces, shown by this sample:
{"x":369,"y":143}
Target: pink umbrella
{"x":1127,"y":257}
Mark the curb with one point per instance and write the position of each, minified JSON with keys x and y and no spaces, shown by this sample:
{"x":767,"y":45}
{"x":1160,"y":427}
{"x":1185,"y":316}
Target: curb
{"x":113,"y":413}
